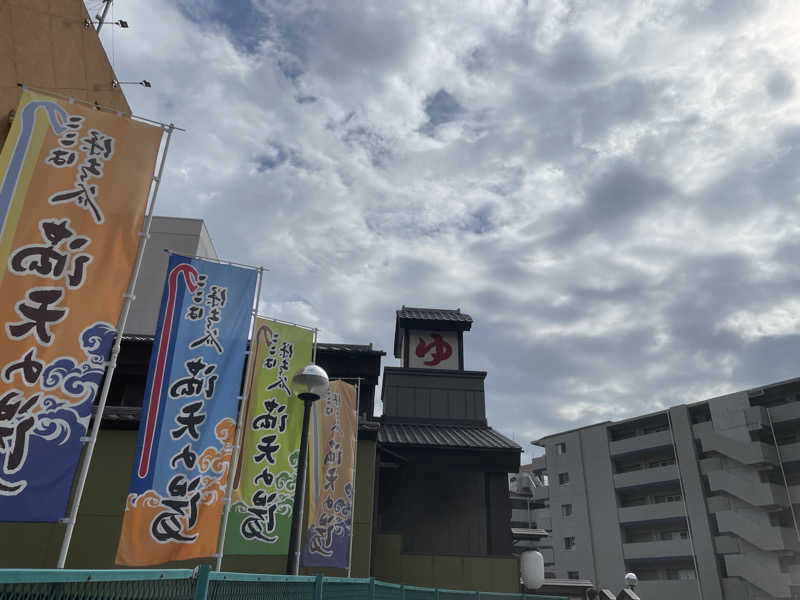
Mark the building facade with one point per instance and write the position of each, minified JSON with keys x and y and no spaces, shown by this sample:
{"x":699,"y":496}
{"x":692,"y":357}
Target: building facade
{"x":700,"y":500}
{"x":47,"y":44}
{"x":442,"y":508}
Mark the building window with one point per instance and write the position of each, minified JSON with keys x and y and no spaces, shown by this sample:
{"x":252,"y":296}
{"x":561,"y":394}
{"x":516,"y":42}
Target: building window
{"x":563,"y":478}
{"x":680,"y":574}
{"x":569,"y":543}
{"x":661,"y":498}
{"x":654,"y":429}
{"x":673,"y":535}
{"x":549,"y":575}
{"x":573,"y":575}
{"x":566,"y":510}
{"x":561,"y":448}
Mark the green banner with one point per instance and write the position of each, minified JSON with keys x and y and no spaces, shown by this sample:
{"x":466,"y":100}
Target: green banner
{"x":263,"y":494}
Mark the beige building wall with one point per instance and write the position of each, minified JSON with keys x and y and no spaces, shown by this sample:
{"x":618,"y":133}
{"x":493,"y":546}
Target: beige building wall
{"x":44,"y":44}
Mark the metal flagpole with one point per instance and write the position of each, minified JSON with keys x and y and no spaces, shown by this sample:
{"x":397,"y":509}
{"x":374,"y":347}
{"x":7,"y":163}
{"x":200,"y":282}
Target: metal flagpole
{"x":218,"y":261}
{"x":239,"y":427}
{"x":314,"y":347}
{"x":112,"y":363}
{"x":355,"y":474}
{"x":268,"y":318}
{"x":96,"y":106}
{"x":783,"y":474}
{"x":105,"y":13}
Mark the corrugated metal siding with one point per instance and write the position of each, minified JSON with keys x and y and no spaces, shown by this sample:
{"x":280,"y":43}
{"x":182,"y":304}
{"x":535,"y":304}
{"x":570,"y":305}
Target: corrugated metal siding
{"x":426,"y":314}
{"x":452,"y":436}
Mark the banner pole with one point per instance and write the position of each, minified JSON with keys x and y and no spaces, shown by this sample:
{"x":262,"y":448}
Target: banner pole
{"x":314,"y":347}
{"x":239,"y":426}
{"x":355,"y":474}
{"x":112,"y":362}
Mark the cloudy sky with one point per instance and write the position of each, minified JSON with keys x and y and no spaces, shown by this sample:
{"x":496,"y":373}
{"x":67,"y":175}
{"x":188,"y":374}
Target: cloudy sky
{"x":610,"y":188}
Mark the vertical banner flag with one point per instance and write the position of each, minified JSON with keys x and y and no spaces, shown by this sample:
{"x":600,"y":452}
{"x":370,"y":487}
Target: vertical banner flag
{"x":73,"y":194}
{"x":260,"y":519}
{"x":334,"y":429}
{"x":175,"y":504}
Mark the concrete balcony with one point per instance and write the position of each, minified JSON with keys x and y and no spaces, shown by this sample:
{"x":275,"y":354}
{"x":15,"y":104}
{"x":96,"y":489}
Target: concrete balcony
{"x":640,"y":443}
{"x":660,"y":549}
{"x":718,"y":503}
{"x":790,"y":452}
{"x":786,"y":412}
{"x":767,"y":579}
{"x":700,"y":428}
{"x":521,"y":515}
{"x":764,"y":537}
{"x":645,"y":477}
{"x":683,"y":589}
{"x":751,"y":490}
{"x":727,"y":544}
{"x":541,"y":493}
{"x":539,"y":463}
{"x":747,"y":453}
{"x":650,"y":512}
{"x":545,"y":523}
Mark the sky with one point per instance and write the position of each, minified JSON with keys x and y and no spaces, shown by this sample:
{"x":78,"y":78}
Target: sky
{"x":610,"y":189}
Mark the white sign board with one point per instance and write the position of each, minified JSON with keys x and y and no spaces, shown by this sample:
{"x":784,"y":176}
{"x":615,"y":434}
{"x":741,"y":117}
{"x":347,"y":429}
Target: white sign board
{"x":433,"y":349}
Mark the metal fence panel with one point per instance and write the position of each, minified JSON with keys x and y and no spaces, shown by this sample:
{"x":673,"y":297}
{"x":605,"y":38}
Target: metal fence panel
{"x":419,"y":593}
{"x":387,"y":591}
{"x":250,"y":586}
{"x":456,"y":595}
{"x":34,"y":584}
{"x":336,"y":590}
{"x":185,"y":584}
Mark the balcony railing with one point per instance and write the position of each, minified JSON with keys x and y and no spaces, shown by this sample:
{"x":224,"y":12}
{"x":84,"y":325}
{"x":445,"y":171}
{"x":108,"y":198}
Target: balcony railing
{"x":646,"y":477}
{"x":639,"y":443}
{"x":660,"y":549}
{"x":650,"y":512}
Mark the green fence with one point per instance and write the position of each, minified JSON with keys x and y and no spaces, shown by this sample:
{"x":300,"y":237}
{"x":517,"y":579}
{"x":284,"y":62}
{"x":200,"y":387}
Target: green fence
{"x":203,"y":584}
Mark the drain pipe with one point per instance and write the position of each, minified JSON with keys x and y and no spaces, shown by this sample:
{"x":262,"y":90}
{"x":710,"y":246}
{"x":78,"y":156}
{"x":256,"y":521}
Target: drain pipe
{"x":685,"y":508}
{"x":783,"y":474}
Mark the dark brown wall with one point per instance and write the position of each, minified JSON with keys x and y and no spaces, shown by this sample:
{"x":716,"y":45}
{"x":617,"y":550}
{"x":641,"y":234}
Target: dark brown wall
{"x":437,"y":511}
{"x":499,"y":513}
{"x":433,"y":395}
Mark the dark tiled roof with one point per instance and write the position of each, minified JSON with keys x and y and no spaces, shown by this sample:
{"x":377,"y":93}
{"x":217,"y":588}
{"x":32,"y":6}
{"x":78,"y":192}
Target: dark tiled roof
{"x":522,"y":533}
{"x":137,"y":338}
{"x":444,"y":436}
{"x":433,"y":314}
{"x":351,"y":348}
{"x":129,"y":414}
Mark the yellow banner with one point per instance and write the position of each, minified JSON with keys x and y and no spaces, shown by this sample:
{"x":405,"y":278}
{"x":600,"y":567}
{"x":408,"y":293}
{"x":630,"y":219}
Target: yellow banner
{"x":331,"y":481}
{"x":263,"y":494}
{"x":74,"y":188}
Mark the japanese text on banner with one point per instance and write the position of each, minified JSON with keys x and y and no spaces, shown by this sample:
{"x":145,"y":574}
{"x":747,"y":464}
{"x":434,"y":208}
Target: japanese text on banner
{"x":332,"y":478}
{"x":179,"y":478}
{"x":263,"y":495}
{"x":75,"y":183}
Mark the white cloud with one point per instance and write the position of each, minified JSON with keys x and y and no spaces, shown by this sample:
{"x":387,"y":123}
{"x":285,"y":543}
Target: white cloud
{"x":609,"y":189}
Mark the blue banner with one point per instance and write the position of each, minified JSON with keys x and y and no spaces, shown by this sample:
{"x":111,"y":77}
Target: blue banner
{"x":180,"y":473}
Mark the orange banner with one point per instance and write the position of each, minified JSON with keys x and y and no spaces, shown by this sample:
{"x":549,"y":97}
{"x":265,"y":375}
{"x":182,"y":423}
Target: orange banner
{"x":72,"y":202}
{"x":333,"y":439}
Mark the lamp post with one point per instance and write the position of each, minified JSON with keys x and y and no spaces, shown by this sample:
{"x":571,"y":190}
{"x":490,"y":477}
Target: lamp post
{"x":631,"y":580}
{"x":310,"y":384}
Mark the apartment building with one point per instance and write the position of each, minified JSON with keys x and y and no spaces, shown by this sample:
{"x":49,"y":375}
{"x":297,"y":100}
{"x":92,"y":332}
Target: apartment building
{"x":701,"y":501}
